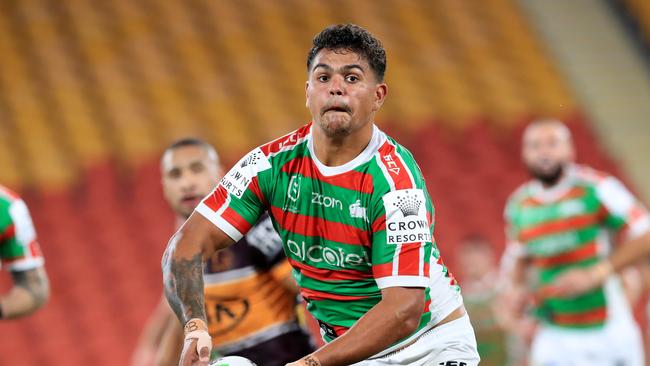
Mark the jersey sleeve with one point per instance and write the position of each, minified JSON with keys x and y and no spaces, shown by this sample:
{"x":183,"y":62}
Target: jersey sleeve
{"x":19,"y":250}
{"x":623,"y":212}
{"x":236,"y":204}
{"x":266,"y":244}
{"x":402,"y":239}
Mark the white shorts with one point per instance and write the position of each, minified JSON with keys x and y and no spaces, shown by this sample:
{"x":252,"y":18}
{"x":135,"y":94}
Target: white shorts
{"x":450,"y":344}
{"x":616,"y":344}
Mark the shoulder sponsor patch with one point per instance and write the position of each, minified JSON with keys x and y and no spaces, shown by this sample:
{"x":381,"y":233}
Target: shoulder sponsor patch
{"x":406,"y":217}
{"x":241,"y":175}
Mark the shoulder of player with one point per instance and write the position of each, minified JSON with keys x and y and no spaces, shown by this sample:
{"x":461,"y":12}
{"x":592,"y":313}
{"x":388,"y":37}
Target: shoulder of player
{"x":519,"y":195}
{"x":287,"y":142}
{"x":8,"y":195}
{"x":589,"y":176}
{"x":398,"y":167}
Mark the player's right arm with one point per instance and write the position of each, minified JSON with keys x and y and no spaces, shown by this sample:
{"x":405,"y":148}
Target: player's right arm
{"x":223,"y":218}
{"x":182,"y":267}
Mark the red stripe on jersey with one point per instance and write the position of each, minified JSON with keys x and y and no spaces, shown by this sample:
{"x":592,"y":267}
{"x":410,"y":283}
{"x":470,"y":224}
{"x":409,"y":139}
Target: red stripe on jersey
{"x":409,"y":260}
{"x":236,"y":220}
{"x":9,"y":233}
{"x":382,"y":270}
{"x":339,"y":330}
{"x":216,"y":199}
{"x":319,"y":295}
{"x":573,"y":193}
{"x":287,"y":140}
{"x":352,"y":180}
{"x":328,"y":274}
{"x":554,"y":227}
{"x":426,"y":306}
{"x":35,"y":249}
{"x":395,"y":166}
{"x":379,"y":224}
{"x":589,"y":317}
{"x":318,"y":227}
{"x":255,"y":188}
{"x":584,"y":252}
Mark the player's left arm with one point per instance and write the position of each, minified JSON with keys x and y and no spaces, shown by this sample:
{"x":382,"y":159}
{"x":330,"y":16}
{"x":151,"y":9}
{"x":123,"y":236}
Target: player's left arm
{"x":626,"y":215}
{"x":395,"y":317}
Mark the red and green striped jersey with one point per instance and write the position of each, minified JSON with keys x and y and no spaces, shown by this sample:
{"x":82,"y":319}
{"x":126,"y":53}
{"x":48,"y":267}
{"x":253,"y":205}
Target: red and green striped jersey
{"x":19,"y":250}
{"x":348,"y":231}
{"x":572,"y":225}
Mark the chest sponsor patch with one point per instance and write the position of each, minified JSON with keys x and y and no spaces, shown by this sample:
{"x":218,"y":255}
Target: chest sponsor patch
{"x":241,"y":175}
{"x":406,"y":217}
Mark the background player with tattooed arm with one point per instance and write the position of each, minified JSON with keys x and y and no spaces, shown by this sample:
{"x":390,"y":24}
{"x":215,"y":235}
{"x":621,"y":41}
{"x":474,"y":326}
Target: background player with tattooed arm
{"x":250,"y":294}
{"x":356,"y":221}
{"x":561,"y":223}
{"x":21,"y":256}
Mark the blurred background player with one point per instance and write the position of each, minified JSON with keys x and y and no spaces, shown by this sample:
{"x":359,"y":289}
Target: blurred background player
{"x":561,"y":224}
{"x":21,"y":256}
{"x":250,"y":294}
{"x":478,"y":273}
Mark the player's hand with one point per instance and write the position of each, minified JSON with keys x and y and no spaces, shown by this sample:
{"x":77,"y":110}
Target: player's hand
{"x":578,"y":281}
{"x":190,"y":356}
{"x":197,"y":344}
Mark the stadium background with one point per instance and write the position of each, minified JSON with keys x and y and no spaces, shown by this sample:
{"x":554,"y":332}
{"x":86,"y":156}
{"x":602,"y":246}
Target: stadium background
{"x":92,"y":91}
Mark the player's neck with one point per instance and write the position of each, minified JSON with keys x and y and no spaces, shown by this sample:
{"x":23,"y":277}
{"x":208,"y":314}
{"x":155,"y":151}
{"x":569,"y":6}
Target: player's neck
{"x":335,"y":151}
{"x":179,"y":221}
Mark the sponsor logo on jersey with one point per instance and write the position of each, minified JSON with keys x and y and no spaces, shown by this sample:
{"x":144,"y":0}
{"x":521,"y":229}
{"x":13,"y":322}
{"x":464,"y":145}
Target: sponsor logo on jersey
{"x":241,"y":175}
{"x":406,"y":217}
{"x":391,"y":165}
{"x":322,"y":200}
{"x":452,"y":363}
{"x":336,"y":257}
{"x":358,"y":212}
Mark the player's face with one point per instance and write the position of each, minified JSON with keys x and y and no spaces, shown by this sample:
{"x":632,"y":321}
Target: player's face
{"x":343,"y":94}
{"x":547,"y":149}
{"x":188,"y":174}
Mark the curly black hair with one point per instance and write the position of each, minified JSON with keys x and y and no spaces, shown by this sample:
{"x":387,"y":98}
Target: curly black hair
{"x":354,"y":38}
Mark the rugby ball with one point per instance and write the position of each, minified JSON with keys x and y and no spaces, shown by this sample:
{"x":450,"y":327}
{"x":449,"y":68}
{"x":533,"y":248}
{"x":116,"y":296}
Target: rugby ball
{"x":233,"y":361}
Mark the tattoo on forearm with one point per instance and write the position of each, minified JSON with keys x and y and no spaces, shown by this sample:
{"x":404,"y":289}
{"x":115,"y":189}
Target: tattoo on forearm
{"x":311,"y":361}
{"x":183,"y":282}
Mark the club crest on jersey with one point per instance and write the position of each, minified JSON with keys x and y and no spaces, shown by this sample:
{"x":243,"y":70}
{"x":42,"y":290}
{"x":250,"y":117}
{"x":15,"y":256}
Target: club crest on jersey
{"x":406,"y":217}
{"x":293,"y":194}
{"x":241,"y":175}
{"x":358,"y":212}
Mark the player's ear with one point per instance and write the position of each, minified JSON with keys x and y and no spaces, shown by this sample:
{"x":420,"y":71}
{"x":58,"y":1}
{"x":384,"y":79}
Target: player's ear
{"x":381,"y":90}
{"x":307,"y":93}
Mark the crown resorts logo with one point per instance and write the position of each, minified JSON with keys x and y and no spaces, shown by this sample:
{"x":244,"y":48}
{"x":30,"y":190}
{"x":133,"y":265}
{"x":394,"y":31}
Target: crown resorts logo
{"x":408,"y":204}
{"x":412,"y":226}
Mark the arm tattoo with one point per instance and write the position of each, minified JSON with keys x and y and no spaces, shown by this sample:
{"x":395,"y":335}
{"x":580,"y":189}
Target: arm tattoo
{"x":311,"y":361}
{"x":35,"y":282}
{"x":183,"y":283}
